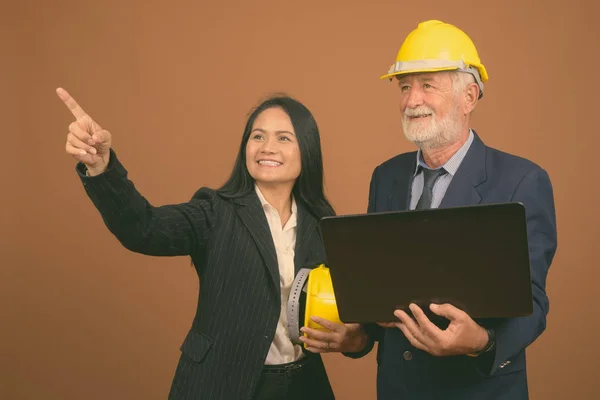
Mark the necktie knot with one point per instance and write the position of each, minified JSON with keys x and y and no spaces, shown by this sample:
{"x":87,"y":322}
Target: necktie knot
{"x":431,"y":175}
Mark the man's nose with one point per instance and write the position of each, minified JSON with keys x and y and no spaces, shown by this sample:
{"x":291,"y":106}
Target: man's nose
{"x":415,"y":97}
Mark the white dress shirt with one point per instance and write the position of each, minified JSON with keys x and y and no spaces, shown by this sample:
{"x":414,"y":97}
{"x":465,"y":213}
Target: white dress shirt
{"x":282,"y":349}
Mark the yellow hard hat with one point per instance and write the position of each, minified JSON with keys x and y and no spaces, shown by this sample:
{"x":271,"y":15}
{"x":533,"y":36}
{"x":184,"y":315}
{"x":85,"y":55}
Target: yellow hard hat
{"x":437,"y":46}
{"x":311,"y":294}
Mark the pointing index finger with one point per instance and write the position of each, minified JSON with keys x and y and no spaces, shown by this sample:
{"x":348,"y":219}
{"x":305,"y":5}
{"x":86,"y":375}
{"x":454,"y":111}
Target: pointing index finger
{"x":70,"y":102}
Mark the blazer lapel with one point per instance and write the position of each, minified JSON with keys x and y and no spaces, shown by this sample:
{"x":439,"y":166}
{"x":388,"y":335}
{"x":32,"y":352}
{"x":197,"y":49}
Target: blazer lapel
{"x":253,"y":217}
{"x":399,"y":198}
{"x":306,"y":233}
{"x":471,"y":173}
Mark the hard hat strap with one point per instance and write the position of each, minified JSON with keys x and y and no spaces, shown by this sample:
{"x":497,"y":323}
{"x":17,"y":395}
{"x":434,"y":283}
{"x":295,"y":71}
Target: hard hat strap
{"x":293,"y":305}
{"x":473,"y":71}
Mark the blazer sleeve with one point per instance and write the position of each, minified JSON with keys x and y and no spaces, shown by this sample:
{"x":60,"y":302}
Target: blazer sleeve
{"x":169,"y":230}
{"x":514,"y":335}
{"x":374,"y":331}
{"x":373,"y":185}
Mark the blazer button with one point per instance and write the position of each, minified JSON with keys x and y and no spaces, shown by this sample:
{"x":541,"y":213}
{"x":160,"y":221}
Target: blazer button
{"x":407,"y":355}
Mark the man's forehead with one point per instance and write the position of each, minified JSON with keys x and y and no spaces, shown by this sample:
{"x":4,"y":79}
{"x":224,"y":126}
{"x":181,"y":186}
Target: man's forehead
{"x":424,"y":76}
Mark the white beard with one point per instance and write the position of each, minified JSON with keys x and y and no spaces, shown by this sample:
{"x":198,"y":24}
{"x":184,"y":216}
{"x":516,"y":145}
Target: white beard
{"x":435,"y":133}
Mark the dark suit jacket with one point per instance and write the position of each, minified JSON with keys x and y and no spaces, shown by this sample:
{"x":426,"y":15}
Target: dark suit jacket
{"x":231,"y":247}
{"x":486,"y":175}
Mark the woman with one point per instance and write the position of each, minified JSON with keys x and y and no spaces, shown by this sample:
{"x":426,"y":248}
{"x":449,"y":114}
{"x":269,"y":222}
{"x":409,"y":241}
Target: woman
{"x":246,"y":241}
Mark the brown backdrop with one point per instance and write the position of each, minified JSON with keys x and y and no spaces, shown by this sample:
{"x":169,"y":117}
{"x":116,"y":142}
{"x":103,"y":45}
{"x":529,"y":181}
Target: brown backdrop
{"x":81,"y":317}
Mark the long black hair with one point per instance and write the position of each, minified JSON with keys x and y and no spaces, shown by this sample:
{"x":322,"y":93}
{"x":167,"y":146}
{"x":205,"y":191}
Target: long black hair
{"x":308,"y":188}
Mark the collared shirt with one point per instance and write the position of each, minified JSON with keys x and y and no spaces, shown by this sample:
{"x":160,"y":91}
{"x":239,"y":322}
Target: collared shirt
{"x":282,"y":349}
{"x":441,"y":185}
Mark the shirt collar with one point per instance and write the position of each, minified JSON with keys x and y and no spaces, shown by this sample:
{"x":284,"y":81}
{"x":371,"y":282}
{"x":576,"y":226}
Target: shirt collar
{"x":453,"y":163}
{"x":265,"y":203}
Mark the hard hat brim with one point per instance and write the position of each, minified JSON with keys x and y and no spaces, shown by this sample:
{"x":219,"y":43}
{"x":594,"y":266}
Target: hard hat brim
{"x":474,"y":71}
{"x":418,"y":71}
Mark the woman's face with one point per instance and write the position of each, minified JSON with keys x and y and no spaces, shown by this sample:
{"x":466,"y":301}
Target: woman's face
{"x":272,"y":152}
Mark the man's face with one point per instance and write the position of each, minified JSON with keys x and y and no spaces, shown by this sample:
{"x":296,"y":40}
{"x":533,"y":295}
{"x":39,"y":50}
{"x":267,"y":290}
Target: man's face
{"x":432,"y":114}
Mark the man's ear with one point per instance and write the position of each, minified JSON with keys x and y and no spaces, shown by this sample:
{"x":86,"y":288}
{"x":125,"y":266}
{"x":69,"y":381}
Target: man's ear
{"x":471,"y":97}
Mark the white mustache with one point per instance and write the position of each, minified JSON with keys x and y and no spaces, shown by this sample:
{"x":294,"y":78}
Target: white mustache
{"x":413,"y":112}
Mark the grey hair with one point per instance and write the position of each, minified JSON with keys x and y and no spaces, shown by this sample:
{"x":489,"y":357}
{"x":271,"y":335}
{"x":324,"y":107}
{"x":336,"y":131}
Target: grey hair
{"x":460,"y":81}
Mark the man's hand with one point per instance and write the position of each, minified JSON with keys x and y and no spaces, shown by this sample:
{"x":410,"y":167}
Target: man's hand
{"x":348,"y":338}
{"x":463,"y":335}
{"x":87,"y":142}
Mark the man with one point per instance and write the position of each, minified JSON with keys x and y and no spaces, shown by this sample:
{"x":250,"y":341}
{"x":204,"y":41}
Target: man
{"x":440,"y":80}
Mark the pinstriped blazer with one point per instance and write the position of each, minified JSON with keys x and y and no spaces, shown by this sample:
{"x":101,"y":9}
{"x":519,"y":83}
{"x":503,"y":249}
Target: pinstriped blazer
{"x":231,"y":247}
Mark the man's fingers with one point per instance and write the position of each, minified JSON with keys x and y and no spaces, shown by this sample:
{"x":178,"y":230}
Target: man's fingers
{"x":425,"y":324}
{"x":388,"y":324}
{"x":411,"y":338}
{"x":406,"y":320}
{"x":447,"y":311}
{"x":71,"y":104}
{"x":411,"y":326}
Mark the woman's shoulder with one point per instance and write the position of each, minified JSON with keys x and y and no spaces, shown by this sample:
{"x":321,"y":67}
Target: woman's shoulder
{"x":210,"y":195}
{"x":215,"y":198}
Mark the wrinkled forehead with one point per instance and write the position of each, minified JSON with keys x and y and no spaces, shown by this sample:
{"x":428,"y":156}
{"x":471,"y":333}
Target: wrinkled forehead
{"x":441,"y":76}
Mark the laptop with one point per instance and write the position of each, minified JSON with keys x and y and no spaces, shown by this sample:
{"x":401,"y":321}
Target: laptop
{"x":473,"y":257}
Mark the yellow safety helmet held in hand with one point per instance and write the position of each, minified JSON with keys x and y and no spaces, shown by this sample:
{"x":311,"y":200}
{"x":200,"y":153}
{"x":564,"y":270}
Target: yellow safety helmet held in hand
{"x":437,"y":46}
{"x":311,"y":294}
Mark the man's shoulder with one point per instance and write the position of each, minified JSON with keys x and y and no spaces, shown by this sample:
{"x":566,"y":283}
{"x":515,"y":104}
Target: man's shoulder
{"x":398,"y":163}
{"x":511,"y":163}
